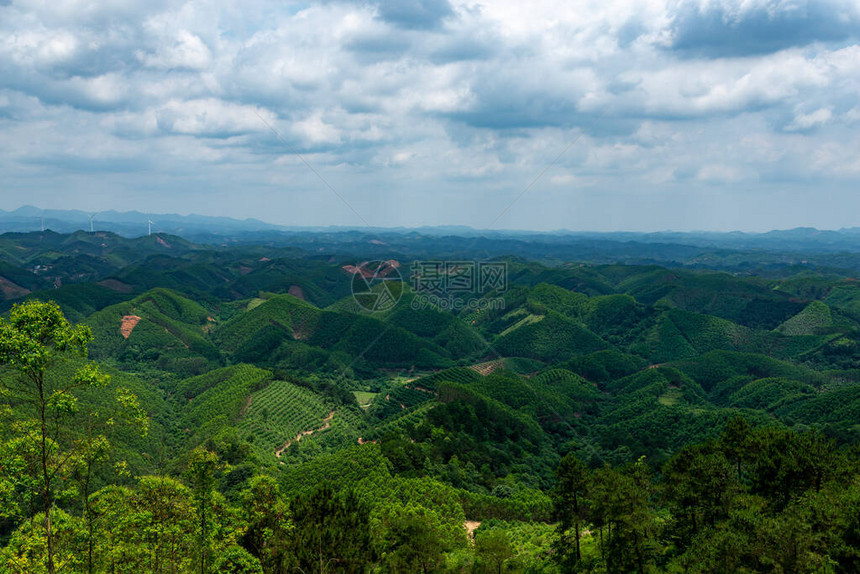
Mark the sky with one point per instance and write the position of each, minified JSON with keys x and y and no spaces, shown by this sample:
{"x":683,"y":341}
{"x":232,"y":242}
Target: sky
{"x":604,"y":115}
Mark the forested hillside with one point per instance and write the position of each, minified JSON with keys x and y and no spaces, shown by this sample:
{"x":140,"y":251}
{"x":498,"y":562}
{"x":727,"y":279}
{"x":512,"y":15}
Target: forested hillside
{"x":189,"y":408}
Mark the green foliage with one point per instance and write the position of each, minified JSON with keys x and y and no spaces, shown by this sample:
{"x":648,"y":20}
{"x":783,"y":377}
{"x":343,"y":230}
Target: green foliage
{"x":220,"y":404}
{"x":167,"y":331}
{"x":284,"y":319}
{"x":620,"y":503}
{"x":600,"y":365}
{"x":811,"y":321}
{"x":553,"y":338}
{"x":77,"y":300}
{"x":493,"y":549}
{"x":331,"y":532}
{"x":713,"y":367}
{"x":415,"y":539}
{"x":33,"y":342}
{"x":279,"y":413}
{"x":770,"y":394}
{"x":343,"y":470}
{"x":604,"y":366}
{"x":290,"y":314}
{"x":269,"y":524}
{"x":237,"y":560}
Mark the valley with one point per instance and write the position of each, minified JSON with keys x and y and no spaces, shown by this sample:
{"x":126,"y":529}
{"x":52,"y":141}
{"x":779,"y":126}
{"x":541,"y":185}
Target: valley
{"x":268,"y":391}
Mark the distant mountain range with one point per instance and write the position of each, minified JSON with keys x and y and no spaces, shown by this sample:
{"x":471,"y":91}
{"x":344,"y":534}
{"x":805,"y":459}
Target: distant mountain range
{"x":220,"y":230}
{"x":126,"y":223}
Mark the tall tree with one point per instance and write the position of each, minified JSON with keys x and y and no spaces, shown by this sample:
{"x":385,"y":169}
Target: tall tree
{"x":331,"y":532}
{"x":414,"y":540}
{"x":269,"y":524}
{"x":735,"y":441}
{"x":621,"y":504}
{"x":202,"y":466}
{"x":493,"y":548}
{"x":35,"y":339}
{"x":699,"y":486}
{"x":93,"y":450}
{"x":570,"y":502}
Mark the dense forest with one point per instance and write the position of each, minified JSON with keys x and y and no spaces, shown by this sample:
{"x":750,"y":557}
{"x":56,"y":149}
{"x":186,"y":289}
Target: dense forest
{"x":174,"y":407}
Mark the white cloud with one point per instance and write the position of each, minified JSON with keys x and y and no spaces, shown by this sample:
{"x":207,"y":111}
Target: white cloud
{"x":316,"y":131}
{"x":185,"y":51}
{"x":211,"y":117}
{"x":811,"y":120}
{"x":715,"y":173}
{"x":477,"y":99}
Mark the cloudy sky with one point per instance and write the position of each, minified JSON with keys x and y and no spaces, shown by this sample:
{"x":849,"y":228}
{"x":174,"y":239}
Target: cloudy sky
{"x":591,"y":115}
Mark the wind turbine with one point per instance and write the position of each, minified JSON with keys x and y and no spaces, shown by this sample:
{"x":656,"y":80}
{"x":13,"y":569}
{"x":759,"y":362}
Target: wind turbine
{"x":92,"y":216}
{"x":149,"y":221}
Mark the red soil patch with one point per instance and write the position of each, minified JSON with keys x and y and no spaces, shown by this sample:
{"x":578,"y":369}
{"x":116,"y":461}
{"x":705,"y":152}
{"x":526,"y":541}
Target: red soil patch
{"x":162,"y":242}
{"x":384,"y":269}
{"x":129,"y":322}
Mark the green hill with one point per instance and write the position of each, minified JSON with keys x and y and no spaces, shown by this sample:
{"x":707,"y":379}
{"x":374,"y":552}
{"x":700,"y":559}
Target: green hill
{"x":813,"y":320}
{"x":216,"y":400}
{"x":555,"y":337}
{"x":159,"y":327}
{"x":284,"y":319}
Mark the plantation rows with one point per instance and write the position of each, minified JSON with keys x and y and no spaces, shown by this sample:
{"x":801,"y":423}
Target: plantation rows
{"x":279,"y":412}
{"x":343,"y":430}
{"x":455,"y":375}
{"x":393,"y":402}
{"x":400,"y":421}
{"x":284,"y":311}
{"x":225,"y":400}
{"x":346,"y":426}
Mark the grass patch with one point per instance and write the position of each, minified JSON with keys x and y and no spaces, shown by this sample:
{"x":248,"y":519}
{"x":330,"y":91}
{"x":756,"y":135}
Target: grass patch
{"x":253,"y":303}
{"x":671,"y":397}
{"x":364,"y":398}
{"x":528,"y":320}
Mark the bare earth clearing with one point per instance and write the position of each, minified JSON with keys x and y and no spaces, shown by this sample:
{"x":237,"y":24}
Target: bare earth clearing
{"x":129,"y":322}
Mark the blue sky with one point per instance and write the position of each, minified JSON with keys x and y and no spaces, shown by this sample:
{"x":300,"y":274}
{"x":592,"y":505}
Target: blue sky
{"x":596,"y":115}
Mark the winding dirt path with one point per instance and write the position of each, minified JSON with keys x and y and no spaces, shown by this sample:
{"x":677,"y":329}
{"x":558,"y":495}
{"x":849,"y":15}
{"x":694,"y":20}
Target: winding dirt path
{"x":326,"y":425}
